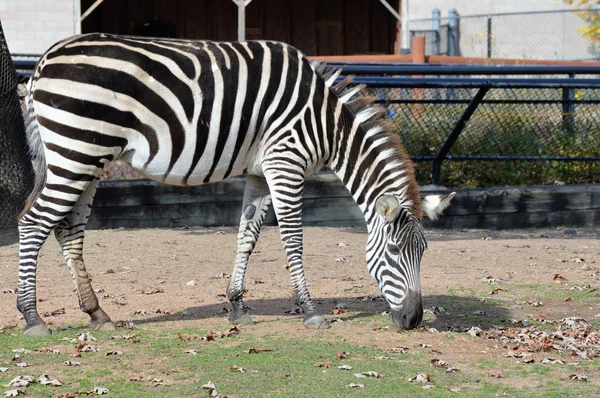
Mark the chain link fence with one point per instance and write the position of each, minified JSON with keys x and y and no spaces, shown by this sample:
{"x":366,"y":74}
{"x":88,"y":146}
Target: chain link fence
{"x":16,"y":171}
{"x":533,"y":136}
{"x":549,"y":35}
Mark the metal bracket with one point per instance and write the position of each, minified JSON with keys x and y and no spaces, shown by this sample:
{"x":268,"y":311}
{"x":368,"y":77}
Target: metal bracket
{"x":458,"y":128}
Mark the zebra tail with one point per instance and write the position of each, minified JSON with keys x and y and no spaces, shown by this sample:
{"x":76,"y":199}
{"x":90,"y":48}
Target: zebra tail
{"x":36,"y":152}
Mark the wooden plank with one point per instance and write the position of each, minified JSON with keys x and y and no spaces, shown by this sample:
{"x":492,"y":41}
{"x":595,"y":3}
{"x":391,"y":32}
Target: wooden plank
{"x":356,"y":27}
{"x":277,"y":20}
{"x":225,"y":14}
{"x":329,"y":28}
{"x":198,"y":17}
{"x":380,"y":29}
{"x":304,"y":27}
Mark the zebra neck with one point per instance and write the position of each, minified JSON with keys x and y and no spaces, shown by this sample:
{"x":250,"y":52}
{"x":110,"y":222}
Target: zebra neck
{"x":370,"y":164}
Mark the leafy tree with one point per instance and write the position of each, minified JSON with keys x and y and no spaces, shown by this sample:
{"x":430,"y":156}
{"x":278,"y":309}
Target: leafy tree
{"x":592,"y":30}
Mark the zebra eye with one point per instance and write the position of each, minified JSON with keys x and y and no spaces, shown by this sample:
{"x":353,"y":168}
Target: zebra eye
{"x":393,"y":249}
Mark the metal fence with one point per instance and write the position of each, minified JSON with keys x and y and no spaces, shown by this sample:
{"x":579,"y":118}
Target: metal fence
{"x":491,"y":113}
{"x":546,"y":35}
{"x":548,"y":115}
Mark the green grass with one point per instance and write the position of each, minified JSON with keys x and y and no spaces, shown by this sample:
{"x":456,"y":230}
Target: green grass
{"x":288,"y":370}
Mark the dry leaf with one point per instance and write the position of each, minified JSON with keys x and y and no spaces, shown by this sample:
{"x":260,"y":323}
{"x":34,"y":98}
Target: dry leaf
{"x":342,"y":244}
{"x":568,"y":298}
{"x":371,"y":373}
{"x":109,"y":271}
{"x":45,"y":380}
{"x":14,"y":393}
{"x":578,"y":377}
{"x":258,"y":350}
{"x":191,"y":352}
{"x":22,"y":365}
{"x":497,"y":290}
{"x":99,"y":391}
{"x":2,"y":370}
{"x":110,"y":353}
{"x":294,"y":311}
{"x":474,"y":331}
{"x":345,"y":367}
{"x":59,"y":311}
{"x":424,"y":345}
{"x":323,"y":365}
{"x":153,"y":290}
{"x":341,"y":354}
{"x":337,"y":311}
{"x":71,"y":363}
{"x":235,"y":368}
{"x":20,"y":381}
{"x":531,"y":360}
{"x":399,"y":350}
{"x":439,"y":363}
{"x":558,"y":278}
{"x":355,"y":385}
{"x":421,"y":378}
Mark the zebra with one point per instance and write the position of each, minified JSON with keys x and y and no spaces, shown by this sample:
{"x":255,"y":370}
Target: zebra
{"x":186,"y":112}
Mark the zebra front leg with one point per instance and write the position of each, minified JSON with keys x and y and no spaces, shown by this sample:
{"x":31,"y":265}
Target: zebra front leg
{"x":70,"y":234}
{"x":254,"y":209}
{"x":287,"y":193}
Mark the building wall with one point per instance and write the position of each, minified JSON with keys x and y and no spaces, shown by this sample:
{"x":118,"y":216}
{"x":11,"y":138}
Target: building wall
{"x":422,"y":8}
{"x":32,"y":26}
{"x":543,"y":35}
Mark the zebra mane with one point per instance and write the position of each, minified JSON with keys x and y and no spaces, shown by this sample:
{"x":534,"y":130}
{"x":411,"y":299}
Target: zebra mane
{"x":362,"y":105}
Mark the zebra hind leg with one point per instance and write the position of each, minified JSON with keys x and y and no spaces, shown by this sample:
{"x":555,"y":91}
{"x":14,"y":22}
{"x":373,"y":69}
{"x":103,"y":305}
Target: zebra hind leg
{"x":255,"y":206}
{"x":70,"y":235}
{"x":287,"y":186}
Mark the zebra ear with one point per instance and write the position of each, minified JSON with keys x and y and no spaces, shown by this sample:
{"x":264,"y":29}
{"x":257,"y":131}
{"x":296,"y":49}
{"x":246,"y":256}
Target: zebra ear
{"x":434,"y":205}
{"x":388,"y":207}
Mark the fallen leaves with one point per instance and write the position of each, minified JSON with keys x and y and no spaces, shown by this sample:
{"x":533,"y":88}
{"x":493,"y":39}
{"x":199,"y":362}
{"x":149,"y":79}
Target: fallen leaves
{"x":578,"y":377}
{"x":421,"y":378}
{"x":46,"y":380}
{"x":355,"y":385}
{"x":153,"y":290}
{"x":60,"y":311}
{"x":258,"y":350}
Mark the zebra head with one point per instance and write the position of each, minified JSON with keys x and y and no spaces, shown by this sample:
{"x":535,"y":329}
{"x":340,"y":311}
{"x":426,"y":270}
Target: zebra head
{"x":394,"y":250}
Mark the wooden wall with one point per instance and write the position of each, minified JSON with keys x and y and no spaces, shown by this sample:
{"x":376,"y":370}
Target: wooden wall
{"x":317,"y":27}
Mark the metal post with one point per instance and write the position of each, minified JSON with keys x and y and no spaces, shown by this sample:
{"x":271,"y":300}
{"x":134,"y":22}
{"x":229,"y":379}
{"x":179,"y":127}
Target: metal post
{"x":405,"y":48}
{"x":76,"y":17}
{"x":242,"y":20}
{"x":453,"y":32}
{"x":458,"y":128}
{"x":568,"y":108}
{"x":437,"y":28}
{"x":489,"y":36}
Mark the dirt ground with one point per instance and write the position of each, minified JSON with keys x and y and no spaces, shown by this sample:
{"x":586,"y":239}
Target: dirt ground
{"x":178,"y":278}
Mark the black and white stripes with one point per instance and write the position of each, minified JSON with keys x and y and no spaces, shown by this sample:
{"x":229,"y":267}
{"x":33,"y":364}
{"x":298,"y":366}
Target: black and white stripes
{"x":192,"y":112}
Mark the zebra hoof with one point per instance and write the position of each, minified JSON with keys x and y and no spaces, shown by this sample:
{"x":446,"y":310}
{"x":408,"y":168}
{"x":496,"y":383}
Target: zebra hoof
{"x":107,"y":326}
{"x":316,"y":322}
{"x":241,"y":319}
{"x":37,"y":330}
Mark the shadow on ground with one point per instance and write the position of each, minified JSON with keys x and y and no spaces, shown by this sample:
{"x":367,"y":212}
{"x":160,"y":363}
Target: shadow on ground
{"x":461,"y":312}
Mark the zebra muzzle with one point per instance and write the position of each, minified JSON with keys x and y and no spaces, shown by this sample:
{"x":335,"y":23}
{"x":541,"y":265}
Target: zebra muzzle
{"x":411,"y":314}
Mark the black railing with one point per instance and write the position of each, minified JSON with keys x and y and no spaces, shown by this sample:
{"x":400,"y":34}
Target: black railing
{"x":477,"y":113}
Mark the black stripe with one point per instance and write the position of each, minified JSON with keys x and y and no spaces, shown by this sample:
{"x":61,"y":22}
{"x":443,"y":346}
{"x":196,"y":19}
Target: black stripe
{"x":255,"y":67}
{"x":106,"y":49}
{"x":77,"y":134}
{"x":57,"y":201}
{"x":59,"y":171}
{"x":207,"y":85}
{"x":102,"y":112}
{"x":123,"y":83}
{"x":79,"y":157}
{"x":64,"y":188}
{"x":230,"y":92}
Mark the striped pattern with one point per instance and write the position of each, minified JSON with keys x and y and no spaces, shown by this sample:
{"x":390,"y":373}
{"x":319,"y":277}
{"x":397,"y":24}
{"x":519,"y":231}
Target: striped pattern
{"x":192,"y":112}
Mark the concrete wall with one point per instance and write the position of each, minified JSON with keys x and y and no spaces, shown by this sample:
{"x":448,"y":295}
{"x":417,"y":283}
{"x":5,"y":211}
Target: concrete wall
{"x":146,"y":204}
{"x":32,"y":26}
{"x":422,"y":8}
{"x":546,"y":36}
